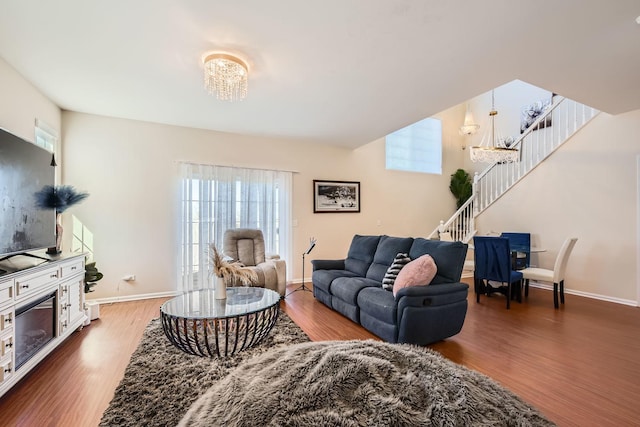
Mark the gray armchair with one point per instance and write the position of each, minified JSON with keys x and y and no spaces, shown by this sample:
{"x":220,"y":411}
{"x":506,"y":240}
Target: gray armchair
{"x":246,"y":245}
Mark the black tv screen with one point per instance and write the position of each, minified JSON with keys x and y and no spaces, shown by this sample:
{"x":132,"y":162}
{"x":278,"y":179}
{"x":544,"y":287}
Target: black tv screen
{"x":24,"y":169}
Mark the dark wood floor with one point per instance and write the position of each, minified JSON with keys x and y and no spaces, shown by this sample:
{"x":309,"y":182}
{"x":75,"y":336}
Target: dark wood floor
{"x":579,"y":365}
{"x":73,"y":386}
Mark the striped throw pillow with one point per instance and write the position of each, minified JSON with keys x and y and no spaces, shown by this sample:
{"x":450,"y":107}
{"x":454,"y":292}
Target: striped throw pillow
{"x":392,"y":272}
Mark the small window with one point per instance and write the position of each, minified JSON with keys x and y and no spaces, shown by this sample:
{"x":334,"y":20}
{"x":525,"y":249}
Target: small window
{"x":82,"y":241}
{"x":45,"y":136}
{"x":416,"y":148}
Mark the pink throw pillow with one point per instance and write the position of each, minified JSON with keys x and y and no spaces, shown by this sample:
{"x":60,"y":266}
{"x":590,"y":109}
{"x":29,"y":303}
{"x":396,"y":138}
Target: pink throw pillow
{"x":419,"y":272}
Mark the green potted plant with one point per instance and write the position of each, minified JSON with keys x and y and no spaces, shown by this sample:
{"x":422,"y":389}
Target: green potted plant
{"x":91,"y":276}
{"x":461,"y":187}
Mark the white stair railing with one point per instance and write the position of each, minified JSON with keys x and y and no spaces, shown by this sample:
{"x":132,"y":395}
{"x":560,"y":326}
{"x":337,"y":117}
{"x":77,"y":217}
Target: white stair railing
{"x":539,"y":141}
{"x":461,"y":225}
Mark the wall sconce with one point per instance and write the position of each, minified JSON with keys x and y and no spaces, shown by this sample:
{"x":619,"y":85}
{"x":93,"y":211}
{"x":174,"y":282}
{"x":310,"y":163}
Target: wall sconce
{"x":469,"y":126}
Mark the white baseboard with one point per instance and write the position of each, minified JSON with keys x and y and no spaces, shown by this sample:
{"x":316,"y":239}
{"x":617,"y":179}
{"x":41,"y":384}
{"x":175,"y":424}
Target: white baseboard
{"x":632,"y":303}
{"x":623,"y":301}
{"x":125,"y":298}
{"x":299,"y":282}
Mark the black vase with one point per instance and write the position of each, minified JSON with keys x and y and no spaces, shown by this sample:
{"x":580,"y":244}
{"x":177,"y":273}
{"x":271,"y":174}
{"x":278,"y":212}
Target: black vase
{"x":57,"y":249}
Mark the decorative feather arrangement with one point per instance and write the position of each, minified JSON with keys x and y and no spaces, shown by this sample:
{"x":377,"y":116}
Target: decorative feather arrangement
{"x":230,"y":271}
{"x":59,"y":198}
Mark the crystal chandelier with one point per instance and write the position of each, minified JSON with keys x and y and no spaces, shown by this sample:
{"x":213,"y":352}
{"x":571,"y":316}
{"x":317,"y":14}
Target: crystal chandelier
{"x":493,"y":148}
{"x":225,"y":76}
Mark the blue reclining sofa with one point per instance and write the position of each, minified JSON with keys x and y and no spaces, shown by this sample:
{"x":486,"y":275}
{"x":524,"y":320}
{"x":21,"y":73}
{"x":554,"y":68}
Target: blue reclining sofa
{"x":418,"y":315}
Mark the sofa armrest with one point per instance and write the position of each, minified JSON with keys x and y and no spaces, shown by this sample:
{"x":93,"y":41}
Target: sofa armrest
{"x":432,"y":290}
{"x":416,"y":302}
{"x":427,"y":314}
{"x":269,"y":257}
{"x":272,"y":275}
{"x":327,"y":264}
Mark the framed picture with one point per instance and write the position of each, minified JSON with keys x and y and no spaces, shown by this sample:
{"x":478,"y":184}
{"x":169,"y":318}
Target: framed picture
{"x":336,"y":196}
{"x":530,"y":114}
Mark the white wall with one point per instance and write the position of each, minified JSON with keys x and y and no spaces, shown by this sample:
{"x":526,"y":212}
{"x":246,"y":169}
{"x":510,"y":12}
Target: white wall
{"x":21,"y":104}
{"x":587,"y":189}
{"x":129,"y":168}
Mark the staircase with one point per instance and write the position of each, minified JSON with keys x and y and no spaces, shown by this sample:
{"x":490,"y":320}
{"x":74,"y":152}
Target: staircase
{"x":539,"y":141}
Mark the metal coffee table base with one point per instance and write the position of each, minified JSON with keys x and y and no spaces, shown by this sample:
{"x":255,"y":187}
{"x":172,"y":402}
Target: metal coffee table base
{"x":219,"y":337}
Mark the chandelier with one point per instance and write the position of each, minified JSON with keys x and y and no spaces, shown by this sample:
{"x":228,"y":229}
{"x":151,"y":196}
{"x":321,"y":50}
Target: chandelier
{"x":225,"y":76}
{"x":493,"y":148}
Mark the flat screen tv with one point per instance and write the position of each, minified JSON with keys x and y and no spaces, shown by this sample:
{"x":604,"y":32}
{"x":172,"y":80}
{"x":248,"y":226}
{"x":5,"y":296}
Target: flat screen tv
{"x":24,"y":169}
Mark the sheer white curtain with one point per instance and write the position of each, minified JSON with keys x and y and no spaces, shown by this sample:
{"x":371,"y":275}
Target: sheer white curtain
{"x":216,"y":198}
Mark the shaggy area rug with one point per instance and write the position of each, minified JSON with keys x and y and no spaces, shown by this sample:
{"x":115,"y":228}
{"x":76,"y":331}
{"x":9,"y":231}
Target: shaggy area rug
{"x":161,"y":382}
{"x":357,"y":383}
{"x":286,"y":380}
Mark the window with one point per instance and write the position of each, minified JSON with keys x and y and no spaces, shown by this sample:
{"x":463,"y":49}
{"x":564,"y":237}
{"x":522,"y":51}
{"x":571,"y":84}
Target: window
{"x":416,"y":148}
{"x":82,"y":241}
{"x":45,"y":136}
{"x":216,"y":198}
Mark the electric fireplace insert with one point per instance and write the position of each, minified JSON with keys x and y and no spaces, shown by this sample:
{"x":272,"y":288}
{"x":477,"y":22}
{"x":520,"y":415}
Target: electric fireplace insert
{"x":35,"y":327}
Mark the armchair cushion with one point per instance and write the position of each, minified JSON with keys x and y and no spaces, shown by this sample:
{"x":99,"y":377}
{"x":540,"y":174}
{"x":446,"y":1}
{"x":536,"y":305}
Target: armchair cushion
{"x":247,"y":246}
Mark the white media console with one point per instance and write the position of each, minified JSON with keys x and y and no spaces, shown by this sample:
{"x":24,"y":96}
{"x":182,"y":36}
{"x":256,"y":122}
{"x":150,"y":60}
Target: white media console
{"x":40,"y":306}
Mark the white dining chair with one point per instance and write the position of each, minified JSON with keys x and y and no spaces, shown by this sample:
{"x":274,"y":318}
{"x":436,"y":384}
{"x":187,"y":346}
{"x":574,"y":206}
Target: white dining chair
{"x":556,"y":276}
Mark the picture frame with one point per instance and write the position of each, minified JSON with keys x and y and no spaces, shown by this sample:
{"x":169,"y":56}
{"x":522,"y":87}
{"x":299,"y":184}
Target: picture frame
{"x":530,"y":113}
{"x":336,"y":196}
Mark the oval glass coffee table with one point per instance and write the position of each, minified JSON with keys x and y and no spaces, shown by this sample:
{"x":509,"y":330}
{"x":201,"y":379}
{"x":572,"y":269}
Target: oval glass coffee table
{"x":201,"y":325}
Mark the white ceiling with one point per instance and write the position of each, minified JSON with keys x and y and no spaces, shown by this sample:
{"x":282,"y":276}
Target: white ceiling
{"x":341,"y":72}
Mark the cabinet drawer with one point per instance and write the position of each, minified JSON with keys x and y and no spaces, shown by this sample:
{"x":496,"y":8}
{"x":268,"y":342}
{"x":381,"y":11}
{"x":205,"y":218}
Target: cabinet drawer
{"x":6,"y":292}
{"x":33,"y":282}
{"x":6,"y":345}
{"x":71,"y":268}
{"x":64,"y":322}
{"x":6,"y":369}
{"x":63,"y":293}
{"x":6,"y":319}
{"x":64,"y":309}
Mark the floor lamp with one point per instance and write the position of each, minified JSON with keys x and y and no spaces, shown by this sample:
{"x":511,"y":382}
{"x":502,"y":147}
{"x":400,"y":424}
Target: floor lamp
{"x":312,"y":244}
